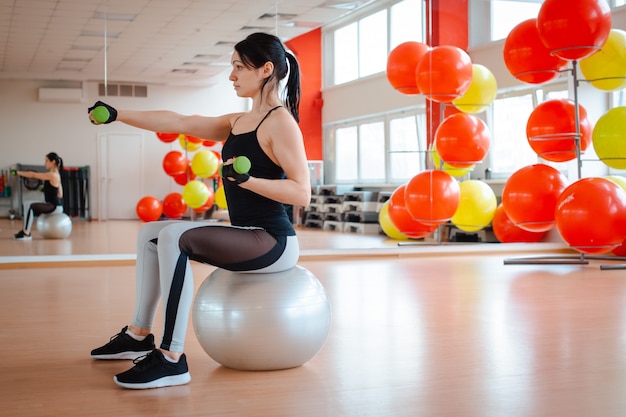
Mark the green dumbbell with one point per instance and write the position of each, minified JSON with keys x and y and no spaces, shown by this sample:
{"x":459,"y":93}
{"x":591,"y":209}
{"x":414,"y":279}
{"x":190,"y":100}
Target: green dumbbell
{"x":13,"y":172}
{"x":241,"y":165}
{"x":100,"y":114}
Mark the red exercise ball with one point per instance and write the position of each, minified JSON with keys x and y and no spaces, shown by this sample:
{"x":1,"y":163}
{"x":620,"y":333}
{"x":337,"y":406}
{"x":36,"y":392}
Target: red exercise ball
{"x":402,"y":220}
{"x":401,"y":65}
{"x":149,"y":209}
{"x":444,"y":73}
{"x":174,"y":206}
{"x":462,"y":140}
{"x":167,"y":137}
{"x":574,"y":30}
{"x":591,"y":215}
{"x":432,"y":197}
{"x":194,"y":139}
{"x":507,"y":232}
{"x":527,"y":58}
{"x":185,"y":177}
{"x":175,"y":163}
{"x":530,"y":195}
{"x":551,"y":130}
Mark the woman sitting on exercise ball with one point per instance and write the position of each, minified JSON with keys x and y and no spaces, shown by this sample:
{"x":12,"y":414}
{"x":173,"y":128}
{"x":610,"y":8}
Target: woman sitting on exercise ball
{"x":52,"y":192}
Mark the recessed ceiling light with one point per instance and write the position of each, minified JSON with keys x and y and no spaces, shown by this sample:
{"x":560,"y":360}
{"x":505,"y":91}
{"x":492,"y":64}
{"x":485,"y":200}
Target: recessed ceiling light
{"x":94,"y":48}
{"x":279,"y":16}
{"x":126,"y":17}
{"x":206,"y":56}
{"x":343,"y":5}
{"x":99,"y":34}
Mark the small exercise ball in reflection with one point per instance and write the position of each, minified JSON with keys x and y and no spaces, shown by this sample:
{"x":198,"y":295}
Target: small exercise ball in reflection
{"x":261,"y":322}
{"x":54,"y":225}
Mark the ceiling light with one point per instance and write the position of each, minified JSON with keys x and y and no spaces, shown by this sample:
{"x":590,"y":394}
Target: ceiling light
{"x":99,"y":34}
{"x":94,"y":48}
{"x":124,"y":17}
{"x":343,"y":5}
{"x":279,"y":16}
{"x":206,"y":56}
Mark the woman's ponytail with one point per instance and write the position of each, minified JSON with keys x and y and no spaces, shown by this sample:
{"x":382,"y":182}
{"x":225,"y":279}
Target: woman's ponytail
{"x":292,"y":89}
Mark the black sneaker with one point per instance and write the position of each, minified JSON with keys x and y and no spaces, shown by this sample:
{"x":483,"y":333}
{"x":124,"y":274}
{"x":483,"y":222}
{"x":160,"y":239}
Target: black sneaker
{"x":154,"y":371}
{"x":21,"y":236}
{"x":122,"y":346}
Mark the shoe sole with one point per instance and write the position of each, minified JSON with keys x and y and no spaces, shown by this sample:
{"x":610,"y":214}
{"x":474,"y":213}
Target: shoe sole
{"x":23,"y":238}
{"x":166,"y":381}
{"x":122,"y":355}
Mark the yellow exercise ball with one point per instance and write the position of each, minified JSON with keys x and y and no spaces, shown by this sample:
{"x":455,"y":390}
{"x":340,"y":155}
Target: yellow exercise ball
{"x":477,"y":207}
{"x":388,"y":227}
{"x":204,"y":163}
{"x":446,"y":167}
{"x":481,"y":92}
{"x":618,"y":179}
{"x":187,"y":144}
{"x":220,"y":198}
{"x":195,"y":194}
{"x":606,"y":69}
{"x":609,"y":138}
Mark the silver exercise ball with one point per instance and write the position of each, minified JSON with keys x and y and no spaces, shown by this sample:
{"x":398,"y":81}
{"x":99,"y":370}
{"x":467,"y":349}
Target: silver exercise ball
{"x":261,"y":322}
{"x":54,"y":225}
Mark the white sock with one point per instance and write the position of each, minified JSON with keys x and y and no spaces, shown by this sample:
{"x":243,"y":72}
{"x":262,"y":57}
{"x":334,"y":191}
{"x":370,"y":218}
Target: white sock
{"x":172,"y":360}
{"x":134,"y":336}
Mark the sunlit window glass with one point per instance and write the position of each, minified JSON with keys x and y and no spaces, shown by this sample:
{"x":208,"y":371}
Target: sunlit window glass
{"x":404,"y":150}
{"x":509,"y":148}
{"x":347,"y":161}
{"x":346,"y":54}
{"x":372,"y":152}
{"x":373,"y":44}
{"x":406,"y":22}
{"x":506,"y":14}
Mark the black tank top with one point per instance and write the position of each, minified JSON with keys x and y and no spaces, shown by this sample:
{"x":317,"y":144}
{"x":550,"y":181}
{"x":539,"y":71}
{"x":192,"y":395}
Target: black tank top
{"x":245,"y":207}
{"x":51,"y":194}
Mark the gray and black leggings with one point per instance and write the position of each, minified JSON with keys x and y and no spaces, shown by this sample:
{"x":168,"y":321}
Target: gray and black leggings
{"x":35,"y":210}
{"x":164,"y":249}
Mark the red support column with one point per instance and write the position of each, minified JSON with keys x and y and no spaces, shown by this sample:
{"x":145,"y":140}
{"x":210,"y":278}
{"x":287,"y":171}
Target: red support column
{"x":447,"y":23}
{"x":308,"y":50}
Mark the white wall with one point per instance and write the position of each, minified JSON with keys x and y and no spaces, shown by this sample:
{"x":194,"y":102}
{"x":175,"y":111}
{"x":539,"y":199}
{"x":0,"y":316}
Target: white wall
{"x":30,"y":129}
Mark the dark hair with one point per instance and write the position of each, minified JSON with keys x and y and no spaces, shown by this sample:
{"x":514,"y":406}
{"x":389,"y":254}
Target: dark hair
{"x":259,"y":48}
{"x":53,"y":157}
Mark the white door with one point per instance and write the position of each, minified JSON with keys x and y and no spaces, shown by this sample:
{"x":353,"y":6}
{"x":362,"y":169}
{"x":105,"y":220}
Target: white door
{"x":120,"y":175}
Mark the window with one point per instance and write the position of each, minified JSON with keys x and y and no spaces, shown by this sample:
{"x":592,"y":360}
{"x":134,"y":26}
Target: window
{"x":389,"y":149}
{"x":346,"y":140}
{"x":346,"y":54}
{"x":372,"y":152}
{"x":508,"y":117}
{"x":360,"y":47}
{"x":407,"y":143}
{"x":406,"y":22}
{"x":360,"y":153}
{"x":506,"y":14}
{"x":509,"y":148}
{"x":373,"y":44}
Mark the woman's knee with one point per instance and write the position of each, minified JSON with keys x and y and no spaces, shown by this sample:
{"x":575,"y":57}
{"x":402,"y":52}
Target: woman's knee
{"x":149,"y":231}
{"x":173,"y":232}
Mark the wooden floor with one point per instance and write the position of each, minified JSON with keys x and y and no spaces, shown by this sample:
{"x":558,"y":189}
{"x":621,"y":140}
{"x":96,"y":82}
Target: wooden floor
{"x":417,"y":330}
